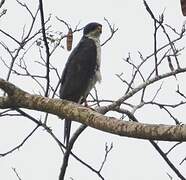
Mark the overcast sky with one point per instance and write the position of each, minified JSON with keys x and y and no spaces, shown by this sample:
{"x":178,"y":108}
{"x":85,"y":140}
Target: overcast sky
{"x":131,"y":159}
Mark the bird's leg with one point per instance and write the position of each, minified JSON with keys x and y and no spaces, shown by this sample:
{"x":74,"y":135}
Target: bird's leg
{"x":86,"y":103}
{"x":83,"y":100}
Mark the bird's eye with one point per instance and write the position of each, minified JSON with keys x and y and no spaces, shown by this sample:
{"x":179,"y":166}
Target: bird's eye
{"x":99,"y":28}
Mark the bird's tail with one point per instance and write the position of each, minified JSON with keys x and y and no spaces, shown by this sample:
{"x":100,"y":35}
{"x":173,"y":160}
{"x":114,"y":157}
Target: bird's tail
{"x":67,"y":127}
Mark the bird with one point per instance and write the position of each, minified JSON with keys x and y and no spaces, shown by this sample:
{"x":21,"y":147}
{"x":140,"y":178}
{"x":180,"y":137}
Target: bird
{"x":82,"y":70}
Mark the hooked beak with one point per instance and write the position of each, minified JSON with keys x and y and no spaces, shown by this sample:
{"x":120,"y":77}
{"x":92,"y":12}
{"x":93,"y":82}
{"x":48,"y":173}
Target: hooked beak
{"x":100,"y":29}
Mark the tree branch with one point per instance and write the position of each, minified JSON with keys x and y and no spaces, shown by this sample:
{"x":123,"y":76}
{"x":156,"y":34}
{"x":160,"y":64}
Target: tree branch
{"x":140,"y":87}
{"x":18,"y":98}
{"x":46,"y":46}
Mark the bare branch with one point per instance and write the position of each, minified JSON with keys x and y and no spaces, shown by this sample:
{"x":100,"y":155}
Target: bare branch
{"x":113,"y":30}
{"x":21,"y":144}
{"x":107,"y":150}
{"x":1,"y":3}
{"x":10,"y":36}
{"x":16,"y":173}
{"x":142,"y":86}
{"x":66,"y":109}
{"x":26,"y":7}
{"x":68,"y":150}
{"x":183,"y":161}
{"x":3,"y":12}
{"x":172,"y":148}
{"x":46,"y":47}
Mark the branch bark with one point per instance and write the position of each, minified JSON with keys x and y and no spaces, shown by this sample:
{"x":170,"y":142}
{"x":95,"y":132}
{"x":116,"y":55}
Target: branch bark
{"x":18,"y":98}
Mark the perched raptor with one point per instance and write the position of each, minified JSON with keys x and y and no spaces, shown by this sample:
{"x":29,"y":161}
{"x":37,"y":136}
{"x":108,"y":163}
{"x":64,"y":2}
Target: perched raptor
{"x":82,"y":69}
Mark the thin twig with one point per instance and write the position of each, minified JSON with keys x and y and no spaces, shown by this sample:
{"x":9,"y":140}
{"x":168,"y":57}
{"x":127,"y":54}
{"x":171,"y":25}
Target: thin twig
{"x":16,"y":173}
{"x":21,"y":144}
{"x":107,"y":150}
{"x":46,"y":48}
{"x":113,"y":30}
{"x":172,"y":148}
{"x":1,"y":3}
{"x":68,"y":150}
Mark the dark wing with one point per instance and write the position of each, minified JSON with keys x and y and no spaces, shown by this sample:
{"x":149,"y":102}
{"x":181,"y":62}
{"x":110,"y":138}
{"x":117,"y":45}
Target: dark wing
{"x":78,"y":72}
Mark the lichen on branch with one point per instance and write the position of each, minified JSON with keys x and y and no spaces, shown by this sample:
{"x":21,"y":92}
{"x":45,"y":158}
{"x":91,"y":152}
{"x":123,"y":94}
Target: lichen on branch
{"x":17,"y":98}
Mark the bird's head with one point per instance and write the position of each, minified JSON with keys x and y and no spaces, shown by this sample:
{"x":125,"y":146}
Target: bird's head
{"x":93,"y":30}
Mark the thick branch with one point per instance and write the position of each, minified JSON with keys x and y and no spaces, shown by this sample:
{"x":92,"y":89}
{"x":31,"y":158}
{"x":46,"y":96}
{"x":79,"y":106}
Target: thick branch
{"x":20,"y":99}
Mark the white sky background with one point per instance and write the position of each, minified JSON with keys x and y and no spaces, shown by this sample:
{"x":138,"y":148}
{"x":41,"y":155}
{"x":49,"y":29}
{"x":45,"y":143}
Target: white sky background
{"x":130,"y":159}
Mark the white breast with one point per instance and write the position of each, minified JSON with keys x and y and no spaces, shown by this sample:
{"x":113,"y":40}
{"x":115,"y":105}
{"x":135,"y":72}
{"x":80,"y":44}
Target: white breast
{"x":98,"y":60}
{"x":97,"y":76}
